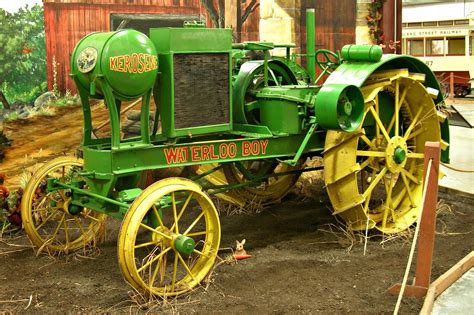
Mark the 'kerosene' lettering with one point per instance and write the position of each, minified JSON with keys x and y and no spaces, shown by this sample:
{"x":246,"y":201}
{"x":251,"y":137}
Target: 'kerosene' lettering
{"x":133,"y":63}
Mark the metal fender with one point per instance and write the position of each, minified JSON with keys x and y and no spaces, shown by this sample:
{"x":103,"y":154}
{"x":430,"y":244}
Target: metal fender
{"x":357,"y":72}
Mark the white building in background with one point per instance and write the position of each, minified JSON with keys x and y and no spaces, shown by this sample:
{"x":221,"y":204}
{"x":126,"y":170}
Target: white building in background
{"x":428,"y":10}
{"x":441,"y":33}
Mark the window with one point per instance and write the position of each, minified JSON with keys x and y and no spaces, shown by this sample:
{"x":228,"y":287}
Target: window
{"x":415,"y":47}
{"x":434,"y":46}
{"x":143,"y":22}
{"x":456,"y":46}
{"x":461,"y":22}
{"x":471,"y":46}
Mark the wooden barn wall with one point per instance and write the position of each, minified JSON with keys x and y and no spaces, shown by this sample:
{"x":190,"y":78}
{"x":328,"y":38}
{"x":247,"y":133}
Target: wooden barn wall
{"x":335,"y":23}
{"x":250,"y":28}
{"x":67,"y":23}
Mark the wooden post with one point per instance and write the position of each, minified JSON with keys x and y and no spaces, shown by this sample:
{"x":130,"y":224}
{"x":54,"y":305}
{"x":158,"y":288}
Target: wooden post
{"x":451,"y":85}
{"x":427,"y":226}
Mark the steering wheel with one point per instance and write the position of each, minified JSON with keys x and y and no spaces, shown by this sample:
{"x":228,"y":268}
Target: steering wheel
{"x":327,"y":60}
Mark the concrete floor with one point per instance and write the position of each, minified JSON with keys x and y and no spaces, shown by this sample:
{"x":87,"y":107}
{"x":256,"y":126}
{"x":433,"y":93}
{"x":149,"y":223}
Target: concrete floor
{"x":462,"y":157}
{"x":458,"y":298}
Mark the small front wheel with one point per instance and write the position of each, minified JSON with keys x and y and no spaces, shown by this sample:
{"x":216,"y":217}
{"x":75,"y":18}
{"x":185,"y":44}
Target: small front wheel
{"x":169,"y":238}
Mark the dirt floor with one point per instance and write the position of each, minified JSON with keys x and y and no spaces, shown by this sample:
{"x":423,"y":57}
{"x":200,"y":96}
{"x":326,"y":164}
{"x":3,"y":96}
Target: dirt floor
{"x":303,"y":260}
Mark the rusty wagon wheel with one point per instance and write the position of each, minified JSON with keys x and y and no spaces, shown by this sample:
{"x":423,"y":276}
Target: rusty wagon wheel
{"x":45,"y":215}
{"x":266,"y":191}
{"x":374,"y":176}
{"x":169,"y":238}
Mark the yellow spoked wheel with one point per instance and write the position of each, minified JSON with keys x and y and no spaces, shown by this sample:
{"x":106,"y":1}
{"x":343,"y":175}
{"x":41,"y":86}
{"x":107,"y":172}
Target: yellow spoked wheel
{"x":374,"y":176}
{"x":266,"y":191}
{"x":169,"y":238}
{"x":45,"y":215}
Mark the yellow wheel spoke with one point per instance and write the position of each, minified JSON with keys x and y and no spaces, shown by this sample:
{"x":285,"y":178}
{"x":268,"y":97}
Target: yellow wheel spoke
{"x":175,"y":213}
{"x":175,"y":270}
{"x":366,"y":163}
{"x":185,"y":265}
{"x":370,"y":153}
{"x":46,"y":220}
{"x":410,"y":176}
{"x":374,"y":183}
{"x":368,"y":142}
{"x":182,"y":209}
{"x":144,"y":244}
{"x":379,"y":123}
{"x":397,"y":112}
{"x":408,"y":190}
{"x":148,"y":263}
{"x":413,"y":123}
{"x":397,"y":108}
{"x":416,"y":133}
{"x":157,"y":215}
{"x":45,"y":209}
{"x":388,"y":202}
{"x":201,"y":253}
{"x":43,"y":200}
{"x":79,"y":225}
{"x":161,"y":262}
{"x":155,"y":231}
{"x":62,"y":194}
{"x":85,"y":215}
{"x":57,"y":228}
{"x":193,"y":224}
{"x":414,"y":155}
{"x":66,"y":232}
{"x":197,"y":233}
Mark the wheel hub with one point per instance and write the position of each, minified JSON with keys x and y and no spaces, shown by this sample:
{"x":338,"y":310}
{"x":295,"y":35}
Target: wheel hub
{"x":396,"y":154}
{"x":184,"y":245}
{"x":399,"y":155}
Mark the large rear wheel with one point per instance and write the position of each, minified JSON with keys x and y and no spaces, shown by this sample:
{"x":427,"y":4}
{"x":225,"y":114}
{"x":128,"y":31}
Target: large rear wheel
{"x":374,"y":176}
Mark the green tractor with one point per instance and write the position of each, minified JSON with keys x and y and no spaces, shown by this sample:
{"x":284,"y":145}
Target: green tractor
{"x":247,"y":126}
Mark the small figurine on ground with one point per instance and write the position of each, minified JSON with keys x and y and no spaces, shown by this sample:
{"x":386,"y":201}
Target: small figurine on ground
{"x":240,"y":253}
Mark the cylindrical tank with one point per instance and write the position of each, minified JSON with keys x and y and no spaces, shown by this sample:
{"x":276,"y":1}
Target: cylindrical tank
{"x":126,"y":60}
{"x":371,"y":53}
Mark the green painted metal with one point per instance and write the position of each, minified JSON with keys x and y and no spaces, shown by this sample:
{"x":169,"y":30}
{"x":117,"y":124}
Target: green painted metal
{"x":249,"y":79}
{"x":184,"y":245}
{"x":126,"y":60}
{"x":129,"y":195}
{"x":282,"y":108}
{"x":136,"y":159}
{"x":399,"y":155}
{"x":169,"y":43}
{"x":273,"y":115}
{"x":304,"y":143}
{"x":310,"y":44}
{"x":339,"y":107}
{"x":370,"y":53}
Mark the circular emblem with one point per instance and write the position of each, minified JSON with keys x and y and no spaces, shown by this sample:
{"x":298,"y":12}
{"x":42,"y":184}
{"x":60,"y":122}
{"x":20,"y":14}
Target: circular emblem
{"x":87,"y":59}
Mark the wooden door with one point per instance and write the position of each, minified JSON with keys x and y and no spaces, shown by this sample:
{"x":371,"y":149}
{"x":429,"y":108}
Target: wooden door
{"x":335,"y":23}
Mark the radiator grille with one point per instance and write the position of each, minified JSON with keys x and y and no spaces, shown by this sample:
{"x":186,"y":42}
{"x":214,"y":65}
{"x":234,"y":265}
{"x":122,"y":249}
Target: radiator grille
{"x":201,"y":90}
